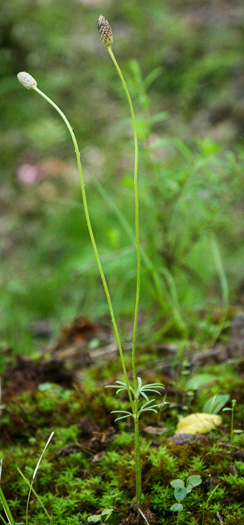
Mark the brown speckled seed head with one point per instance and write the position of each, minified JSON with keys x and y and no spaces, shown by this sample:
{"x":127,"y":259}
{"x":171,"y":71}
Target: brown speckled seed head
{"x":105,"y":31}
{"x":26,"y":80}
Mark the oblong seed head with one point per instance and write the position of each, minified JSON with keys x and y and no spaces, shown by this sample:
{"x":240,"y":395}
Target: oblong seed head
{"x":105,"y":31}
{"x":26,"y":80}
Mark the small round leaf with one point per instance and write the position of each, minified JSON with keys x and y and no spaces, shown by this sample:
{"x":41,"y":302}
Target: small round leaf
{"x":180,"y":493}
{"x":177,"y":483}
{"x":193,"y":481}
{"x":177,"y":507}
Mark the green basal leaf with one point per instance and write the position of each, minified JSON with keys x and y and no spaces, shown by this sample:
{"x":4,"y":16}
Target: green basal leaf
{"x":193,"y":481}
{"x":180,"y":493}
{"x":200,"y":380}
{"x":94,"y":519}
{"x":215,"y":403}
{"x":177,"y":483}
{"x":177,"y":507}
{"x":105,"y":512}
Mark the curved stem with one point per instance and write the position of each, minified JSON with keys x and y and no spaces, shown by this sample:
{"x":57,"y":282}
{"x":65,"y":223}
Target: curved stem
{"x":92,"y":238}
{"x":136,"y":214}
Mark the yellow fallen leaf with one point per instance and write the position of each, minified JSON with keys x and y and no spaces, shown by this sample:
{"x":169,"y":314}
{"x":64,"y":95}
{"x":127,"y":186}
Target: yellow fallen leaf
{"x":198,"y":423}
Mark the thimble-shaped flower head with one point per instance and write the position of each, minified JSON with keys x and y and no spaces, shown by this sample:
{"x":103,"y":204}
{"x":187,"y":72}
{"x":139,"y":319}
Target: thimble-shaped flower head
{"x":26,"y":80}
{"x":105,"y":31}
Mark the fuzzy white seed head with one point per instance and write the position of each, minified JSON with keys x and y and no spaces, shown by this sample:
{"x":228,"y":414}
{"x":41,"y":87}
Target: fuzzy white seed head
{"x":105,"y":31}
{"x":26,"y":80}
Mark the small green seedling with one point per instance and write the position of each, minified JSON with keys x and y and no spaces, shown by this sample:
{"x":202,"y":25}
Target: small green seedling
{"x":181,"y":491}
{"x":100,"y":518}
{"x":232,"y":430}
{"x":205,"y":504}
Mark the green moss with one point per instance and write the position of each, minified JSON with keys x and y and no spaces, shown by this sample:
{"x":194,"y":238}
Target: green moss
{"x":75,"y":481}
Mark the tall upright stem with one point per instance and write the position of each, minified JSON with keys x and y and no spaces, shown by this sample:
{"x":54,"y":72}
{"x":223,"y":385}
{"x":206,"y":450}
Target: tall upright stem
{"x":138,"y":278}
{"x":92,"y":238}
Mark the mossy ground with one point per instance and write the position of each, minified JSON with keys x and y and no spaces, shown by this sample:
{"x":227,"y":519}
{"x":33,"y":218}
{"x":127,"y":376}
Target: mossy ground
{"x":89,"y":464}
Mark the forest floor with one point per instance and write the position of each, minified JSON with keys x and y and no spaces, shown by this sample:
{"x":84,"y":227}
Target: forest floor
{"x":88,"y":467}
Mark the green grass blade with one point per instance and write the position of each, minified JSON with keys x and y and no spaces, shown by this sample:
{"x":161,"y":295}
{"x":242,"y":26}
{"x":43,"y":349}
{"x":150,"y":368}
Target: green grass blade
{"x":6,"y":508}
{"x":35,"y":493}
{"x":34,"y":475}
{"x":223,"y":285}
{"x":3,"y":520}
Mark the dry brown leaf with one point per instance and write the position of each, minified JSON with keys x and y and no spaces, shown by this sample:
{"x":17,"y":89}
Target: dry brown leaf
{"x":198,"y":423}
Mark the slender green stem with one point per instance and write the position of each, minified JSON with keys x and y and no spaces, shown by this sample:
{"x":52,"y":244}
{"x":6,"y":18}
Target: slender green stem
{"x":138,"y":457}
{"x":138,"y":279}
{"x":232,"y":422}
{"x":93,"y":238}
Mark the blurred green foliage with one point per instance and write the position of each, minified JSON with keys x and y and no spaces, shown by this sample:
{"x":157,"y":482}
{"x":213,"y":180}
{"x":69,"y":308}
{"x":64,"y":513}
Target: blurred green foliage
{"x":182,"y":61}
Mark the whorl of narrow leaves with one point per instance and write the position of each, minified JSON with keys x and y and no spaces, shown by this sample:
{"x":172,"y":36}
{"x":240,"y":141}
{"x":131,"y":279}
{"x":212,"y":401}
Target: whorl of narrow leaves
{"x":105,"y":31}
{"x":26,"y":80}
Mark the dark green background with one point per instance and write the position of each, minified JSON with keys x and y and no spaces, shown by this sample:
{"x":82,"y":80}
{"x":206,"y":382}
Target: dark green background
{"x":190,"y":124}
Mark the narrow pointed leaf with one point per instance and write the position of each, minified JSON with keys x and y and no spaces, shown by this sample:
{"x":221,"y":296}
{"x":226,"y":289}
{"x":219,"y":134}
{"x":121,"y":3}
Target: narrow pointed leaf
{"x":123,"y":417}
{"x":152,"y":390}
{"x":34,"y":492}
{"x":148,"y":410}
{"x":115,"y":385}
{"x":145,"y":396}
{"x":139,"y":381}
{"x":3,"y":520}
{"x":157,"y":385}
{"x":121,"y":412}
{"x":147,"y":403}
